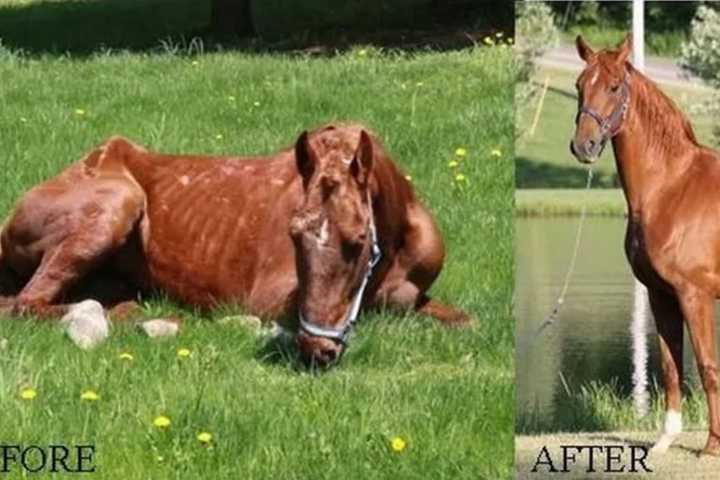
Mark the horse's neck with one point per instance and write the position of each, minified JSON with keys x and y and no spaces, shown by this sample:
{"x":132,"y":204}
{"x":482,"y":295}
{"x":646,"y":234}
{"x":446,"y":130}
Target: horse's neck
{"x":649,"y":156}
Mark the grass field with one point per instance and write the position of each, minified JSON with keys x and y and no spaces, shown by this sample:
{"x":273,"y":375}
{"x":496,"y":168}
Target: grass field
{"x":544,"y":160}
{"x":447,"y":393}
{"x":538,"y":202}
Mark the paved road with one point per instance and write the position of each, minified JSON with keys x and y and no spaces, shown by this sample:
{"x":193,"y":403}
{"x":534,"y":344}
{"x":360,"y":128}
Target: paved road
{"x":661,"y":70}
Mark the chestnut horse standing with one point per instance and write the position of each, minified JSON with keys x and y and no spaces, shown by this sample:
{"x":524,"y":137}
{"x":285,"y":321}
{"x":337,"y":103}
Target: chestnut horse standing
{"x":311,"y":233}
{"x":672,"y":188}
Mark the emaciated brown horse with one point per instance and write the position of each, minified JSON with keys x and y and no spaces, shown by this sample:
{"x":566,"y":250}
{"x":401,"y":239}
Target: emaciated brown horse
{"x":305,"y":236}
{"x":672,"y":188}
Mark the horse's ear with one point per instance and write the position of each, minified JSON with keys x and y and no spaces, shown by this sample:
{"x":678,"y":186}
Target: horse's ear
{"x":305,"y":157}
{"x":624,"y":49}
{"x":362,"y":164}
{"x":583,"y":49}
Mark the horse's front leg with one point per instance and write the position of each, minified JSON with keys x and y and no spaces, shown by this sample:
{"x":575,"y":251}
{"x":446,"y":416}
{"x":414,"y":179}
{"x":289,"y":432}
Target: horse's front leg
{"x":415,"y":267}
{"x":669,"y":323}
{"x":698,"y":307}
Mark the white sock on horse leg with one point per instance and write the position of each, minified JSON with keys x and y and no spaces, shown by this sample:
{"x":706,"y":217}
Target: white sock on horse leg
{"x":671,"y":429}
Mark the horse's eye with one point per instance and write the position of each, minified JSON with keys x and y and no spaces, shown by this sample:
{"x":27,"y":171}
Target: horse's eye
{"x":615,"y":88}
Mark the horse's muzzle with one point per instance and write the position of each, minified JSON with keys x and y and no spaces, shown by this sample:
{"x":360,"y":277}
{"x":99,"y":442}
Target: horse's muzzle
{"x":587,"y":152}
{"x":318,"y":351}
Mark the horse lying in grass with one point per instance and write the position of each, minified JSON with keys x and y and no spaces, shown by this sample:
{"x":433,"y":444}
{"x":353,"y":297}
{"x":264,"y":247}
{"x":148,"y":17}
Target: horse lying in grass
{"x":307,"y":236}
{"x":671,"y":185}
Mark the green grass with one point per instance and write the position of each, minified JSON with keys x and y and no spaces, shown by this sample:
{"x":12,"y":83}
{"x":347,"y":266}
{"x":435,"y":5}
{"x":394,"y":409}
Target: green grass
{"x":602,"y":407}
{"x":447,"y":392}
{"x":537,"y":202}
{"x":667,"y":43}
{"x":544,"y":160}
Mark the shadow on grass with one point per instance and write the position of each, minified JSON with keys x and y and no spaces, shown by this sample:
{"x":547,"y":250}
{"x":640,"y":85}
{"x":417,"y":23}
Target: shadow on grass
{"x":81,"y":27}
{"x":536,"y":174}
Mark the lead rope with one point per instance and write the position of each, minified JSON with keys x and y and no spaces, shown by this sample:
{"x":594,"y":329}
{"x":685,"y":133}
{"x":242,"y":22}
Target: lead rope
{"x":573,"y":260}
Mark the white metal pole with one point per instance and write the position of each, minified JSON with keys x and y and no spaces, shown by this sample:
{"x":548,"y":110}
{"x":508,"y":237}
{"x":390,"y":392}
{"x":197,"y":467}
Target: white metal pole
{"x":641,"y":311}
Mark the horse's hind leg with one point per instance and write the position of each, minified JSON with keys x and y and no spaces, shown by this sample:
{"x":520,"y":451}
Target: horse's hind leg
{"x":82,"y":251}
{"x":699,"y":310}
{"x":669,"y":324}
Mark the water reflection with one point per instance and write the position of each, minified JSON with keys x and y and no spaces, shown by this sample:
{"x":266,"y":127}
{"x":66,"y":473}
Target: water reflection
{"x":591,"y":339}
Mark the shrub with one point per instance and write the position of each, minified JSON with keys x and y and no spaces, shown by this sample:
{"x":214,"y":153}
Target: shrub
{"x":701,"y":55}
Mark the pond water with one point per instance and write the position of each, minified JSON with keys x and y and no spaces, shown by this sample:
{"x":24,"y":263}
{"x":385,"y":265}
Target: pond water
{"x":590,"y":340}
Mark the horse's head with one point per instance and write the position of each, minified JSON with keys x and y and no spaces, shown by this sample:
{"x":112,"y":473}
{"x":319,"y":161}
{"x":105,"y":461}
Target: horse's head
{"x":335,"y":241}
{"x":603,"y":99}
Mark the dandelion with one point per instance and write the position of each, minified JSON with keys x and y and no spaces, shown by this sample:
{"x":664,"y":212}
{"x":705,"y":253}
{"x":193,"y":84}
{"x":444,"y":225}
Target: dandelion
{"x":256,"y":104}
{"x":28,"y":393}
{"x":499,"y":34}
{"x":204,"y":437}
{"x":183,"y":352}
{"x":398,"y":444}
{"x":496,"y":152}
{"x":219,"y":136}
{"x":510,"y":41}
{"x":231,"y":98}
{"x":79,"y":112}
{"x":160,"y":458}
{"x":419,"y":84}
{"x":488,"y":41}
{"x":127,"y":356}
{"x":453,"y":163}
{"x":195,"y":63}
{"x":362,"y":52}
{"x":23,"y":120}
{"x":408,"y":178}
{"x":161,"y":422}
{"x":460,"y":178}
{"x":89,"y":395}
{"x":460,"y":152}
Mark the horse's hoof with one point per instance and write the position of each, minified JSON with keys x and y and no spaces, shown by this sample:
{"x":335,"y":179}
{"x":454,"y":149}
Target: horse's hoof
{"x":663,"y":444}
{"x":712,"y":448}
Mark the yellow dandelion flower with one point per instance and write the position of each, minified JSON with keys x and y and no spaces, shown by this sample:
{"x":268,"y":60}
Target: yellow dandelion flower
{"x":231,"y":98}
{"x":195,"y":63}
{"x":160,"y":458}
{"x":28,"y":393}
{"x":419,"y":84}
{"x":453,"y":163}
{"x":361,"y":53}
{"x":488,"y":41}
{"x":23,"y":120}
{"x":408,"y":178}
{"x":257,"y":104}
{"x":126,"y":356}
{"x":79,"y":112}
{"x":460,"y":152}
{"x":510,"y":41}
{"x":499,"y":34}
{"x":89,"y":395}
{"x":161,"y":421}
{"x":219,"y":136}
{"x":460,"y":177}
{"x":204,"y":437}
{"x":398,"y":444}
{"x":183,"y":352}
{"x":496,"y":152}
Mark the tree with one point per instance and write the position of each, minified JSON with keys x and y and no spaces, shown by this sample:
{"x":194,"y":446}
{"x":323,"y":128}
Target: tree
{"x":232,"y":16}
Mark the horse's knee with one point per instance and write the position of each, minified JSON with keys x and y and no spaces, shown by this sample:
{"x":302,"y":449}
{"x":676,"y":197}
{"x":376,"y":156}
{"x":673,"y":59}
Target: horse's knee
{"x":709,"y":376}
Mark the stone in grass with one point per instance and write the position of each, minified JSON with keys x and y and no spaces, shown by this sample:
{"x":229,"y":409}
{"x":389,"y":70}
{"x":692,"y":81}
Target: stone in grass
{"x":247,"y":321}
{"x":86,"y":324}
{"x":161,"y":327}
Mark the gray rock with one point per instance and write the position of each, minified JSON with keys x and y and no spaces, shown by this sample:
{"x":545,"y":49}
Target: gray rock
{"x":246,"y":321}
{"x":160,"y":328}
{"x":86,"y":324}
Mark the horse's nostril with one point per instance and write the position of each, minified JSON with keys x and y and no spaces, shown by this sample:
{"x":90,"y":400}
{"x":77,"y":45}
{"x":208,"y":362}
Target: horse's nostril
{"x":591,"y":145}
{"x":329,"y":355}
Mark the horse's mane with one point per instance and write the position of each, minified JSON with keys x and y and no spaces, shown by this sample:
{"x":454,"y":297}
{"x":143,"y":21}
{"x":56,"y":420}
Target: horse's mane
{"x":668,"y":127}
